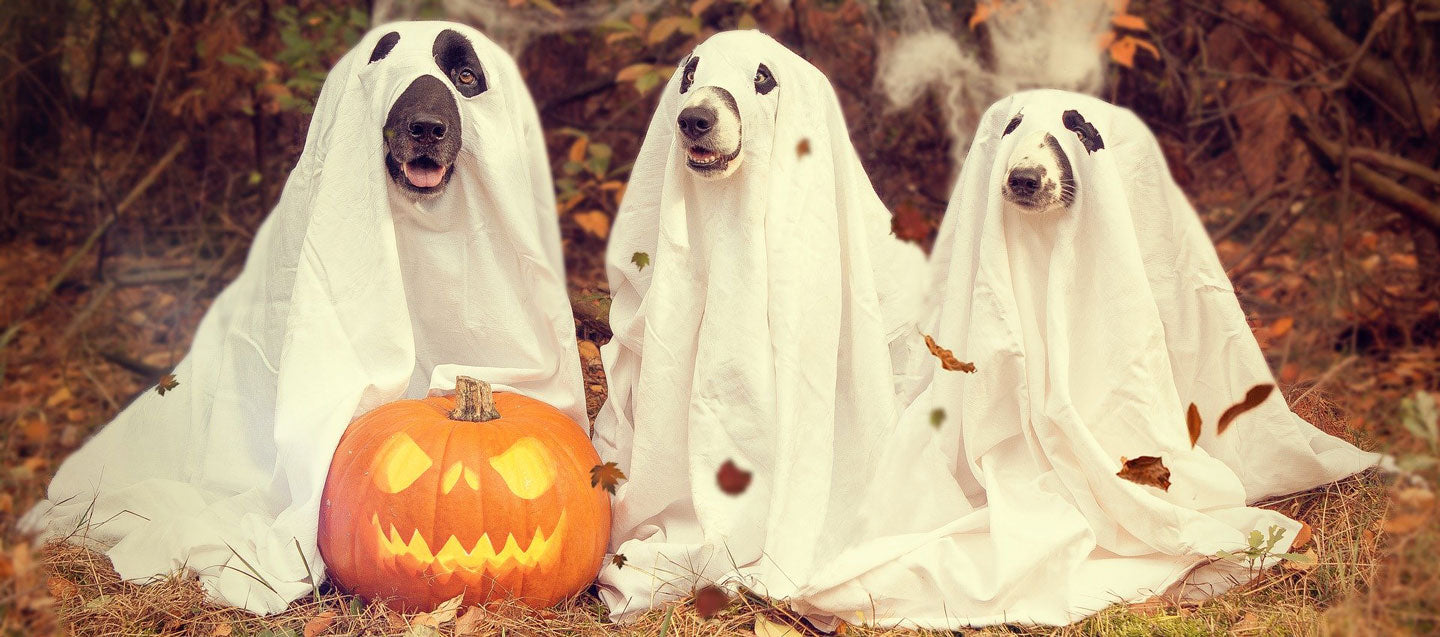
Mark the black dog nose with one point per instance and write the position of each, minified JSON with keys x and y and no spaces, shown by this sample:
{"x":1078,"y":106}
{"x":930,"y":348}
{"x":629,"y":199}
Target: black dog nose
{"x":696,"y":121}
{"x":426,"y":128}
{"x":1025,"y":181}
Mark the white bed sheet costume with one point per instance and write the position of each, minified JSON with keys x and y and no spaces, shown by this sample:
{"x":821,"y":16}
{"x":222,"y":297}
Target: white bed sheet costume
{"x":1092,"y":328}
{"x":352,"y":296}
{"x":759,"y":333}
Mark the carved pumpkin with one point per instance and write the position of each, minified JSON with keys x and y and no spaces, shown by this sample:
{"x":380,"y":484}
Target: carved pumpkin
{"x":482,"y":494}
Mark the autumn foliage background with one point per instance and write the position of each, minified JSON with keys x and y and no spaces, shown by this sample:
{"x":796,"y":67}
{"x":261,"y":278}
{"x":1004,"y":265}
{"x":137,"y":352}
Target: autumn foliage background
{"x":144,"y":141}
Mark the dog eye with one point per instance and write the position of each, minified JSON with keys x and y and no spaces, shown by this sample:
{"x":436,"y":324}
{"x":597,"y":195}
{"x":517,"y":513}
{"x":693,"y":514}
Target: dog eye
{"x":687,"y":77}
{"x":467,"y":76}
{"x":764,"y":80}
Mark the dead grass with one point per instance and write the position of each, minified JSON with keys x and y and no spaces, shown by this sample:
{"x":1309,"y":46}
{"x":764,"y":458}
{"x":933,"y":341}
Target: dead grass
{"x":1344,"y":594}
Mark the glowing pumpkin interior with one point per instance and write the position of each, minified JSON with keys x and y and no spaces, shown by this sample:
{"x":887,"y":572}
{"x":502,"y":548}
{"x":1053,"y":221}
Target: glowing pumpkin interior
{"x":421,"y":506}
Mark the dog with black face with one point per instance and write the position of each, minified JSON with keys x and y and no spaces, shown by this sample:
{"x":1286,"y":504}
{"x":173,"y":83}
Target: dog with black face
{"x":422,"y":132}
{"x":415,"y":241}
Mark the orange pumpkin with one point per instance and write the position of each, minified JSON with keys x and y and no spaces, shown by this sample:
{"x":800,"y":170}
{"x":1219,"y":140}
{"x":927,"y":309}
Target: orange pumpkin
{"x":483,"y":494}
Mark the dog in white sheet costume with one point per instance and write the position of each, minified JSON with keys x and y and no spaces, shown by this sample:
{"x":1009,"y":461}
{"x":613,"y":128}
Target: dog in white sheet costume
{"x":757,"y":293}
{"x":416,"y":240}
{"x":1075,"y":275}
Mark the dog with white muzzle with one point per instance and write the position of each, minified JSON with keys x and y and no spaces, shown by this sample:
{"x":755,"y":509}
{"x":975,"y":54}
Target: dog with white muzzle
{"x":759,"y":328}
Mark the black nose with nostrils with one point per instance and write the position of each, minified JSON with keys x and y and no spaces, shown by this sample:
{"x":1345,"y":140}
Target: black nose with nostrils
{"x":696,"y":121}
{"x":426,"y":128}
{"x":1025,"y":182}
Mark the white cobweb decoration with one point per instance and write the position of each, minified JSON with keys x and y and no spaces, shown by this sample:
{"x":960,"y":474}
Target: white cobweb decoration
{"x":1029,"y":44}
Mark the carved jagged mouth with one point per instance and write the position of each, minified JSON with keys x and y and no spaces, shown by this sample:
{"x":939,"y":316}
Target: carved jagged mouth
{"x":542,"y":550}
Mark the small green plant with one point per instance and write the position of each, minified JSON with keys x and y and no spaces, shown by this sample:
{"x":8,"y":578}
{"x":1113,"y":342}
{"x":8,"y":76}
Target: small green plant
{"x":1420,"y":415}
{"x":1262,"y":547}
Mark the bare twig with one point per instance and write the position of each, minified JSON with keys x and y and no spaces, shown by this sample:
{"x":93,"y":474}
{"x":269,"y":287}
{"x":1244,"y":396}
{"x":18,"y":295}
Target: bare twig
{"x":43,"y":297}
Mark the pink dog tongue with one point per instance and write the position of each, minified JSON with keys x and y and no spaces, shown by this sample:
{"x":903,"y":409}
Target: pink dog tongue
{"x":423,"y":177}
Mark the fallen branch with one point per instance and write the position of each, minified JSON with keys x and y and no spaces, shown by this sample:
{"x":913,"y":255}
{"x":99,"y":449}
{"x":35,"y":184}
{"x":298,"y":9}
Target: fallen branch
{"x":1369,"y":71}
{"x":43,"y":297}
{"x":1375,"y":185}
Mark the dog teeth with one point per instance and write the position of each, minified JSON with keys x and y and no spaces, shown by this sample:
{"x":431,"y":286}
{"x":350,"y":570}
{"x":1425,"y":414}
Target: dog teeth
{"x":703,"y":157}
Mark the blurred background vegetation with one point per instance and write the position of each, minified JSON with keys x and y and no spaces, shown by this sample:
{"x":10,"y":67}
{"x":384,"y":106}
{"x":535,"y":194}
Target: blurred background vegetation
{"x":143,"y":141}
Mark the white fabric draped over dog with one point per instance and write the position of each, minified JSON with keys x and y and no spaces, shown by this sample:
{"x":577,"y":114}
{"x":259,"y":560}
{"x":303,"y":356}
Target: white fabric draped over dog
{"x":352,"y":296}
{"x":1092,"y":328}
{"x":759,"y":334}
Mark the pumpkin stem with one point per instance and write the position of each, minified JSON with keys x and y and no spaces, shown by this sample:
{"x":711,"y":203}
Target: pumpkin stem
{"x":473,"y":401}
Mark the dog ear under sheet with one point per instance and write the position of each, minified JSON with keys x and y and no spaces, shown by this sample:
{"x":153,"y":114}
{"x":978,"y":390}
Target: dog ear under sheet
{"x":1094,"y":315}
{"x":358,"y":290}
{"x":757,"y":330}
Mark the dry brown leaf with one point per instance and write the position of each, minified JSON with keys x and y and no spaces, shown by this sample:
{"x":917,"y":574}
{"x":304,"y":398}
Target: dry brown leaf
{"x":733,"y":480}
{"x":61,"y":588}
{"x":577,"y":149}
{"x":1192,"y":422}
{"x":595,"y":222}
{"x":803,"y":148}
{"x":61,"y":395}
{"x":222,"y":630}
{"x":1312,"y":560}
{"x":167,"y":383}
{"x":1302,"y":537}
{"x":618,"y":560}
{"x":445,"y":612}
{"x":947,"y":358}
{"x":1253,"y":398}
{"x":1128,"y":21}
{"x":1282,"y":326}
{"x":709,"y":601}
{"x":765,"y":627}
{"x":469,"y":622}
{"x":606,"y":476}
{"x":319,"y":623}
{"x":1146,"y":470}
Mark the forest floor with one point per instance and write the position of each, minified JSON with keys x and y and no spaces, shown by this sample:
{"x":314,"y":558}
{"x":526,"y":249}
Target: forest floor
{"x":93,"y":347}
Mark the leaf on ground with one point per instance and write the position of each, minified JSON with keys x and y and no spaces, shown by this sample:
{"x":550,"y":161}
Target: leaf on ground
{"x":61,"y":588}
{"x":618,"y":560}
{"x":469,"y":622}
{"x":1146,"y":470}
{"x":222,"y":630}
{"x":1299,"y":561}
{"x":1282,"y":326}
{"x":167,"y":383}
{"x":709,"y":601}
{"x":319,"y":623}
{"x":640,"y":259}
{"x":445,"y":612}
{"x":1192,"y":422}
{"x":1253,"y":398}
{"x":767,"y":628}
{"x":733,"y":480}
{"x":1302,"y":537}
{"x":937,"y":417}
{"x":606,"y":476}
{"x":947,"y":358}
{"x":594,"y":222}
{"x":61,"y":395}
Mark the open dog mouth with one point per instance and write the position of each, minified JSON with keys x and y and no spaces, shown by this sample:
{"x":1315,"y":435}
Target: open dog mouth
{"x":424,"y":172}
{"x":706,"y":160}
{"x":422,"y":175}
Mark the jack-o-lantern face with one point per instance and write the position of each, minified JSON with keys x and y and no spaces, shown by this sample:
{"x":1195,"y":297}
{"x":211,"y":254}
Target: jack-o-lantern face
{"x":419,"y":507}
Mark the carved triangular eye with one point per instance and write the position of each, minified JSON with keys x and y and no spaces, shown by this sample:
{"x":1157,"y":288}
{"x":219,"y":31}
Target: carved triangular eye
{"x":1089,"y":136}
